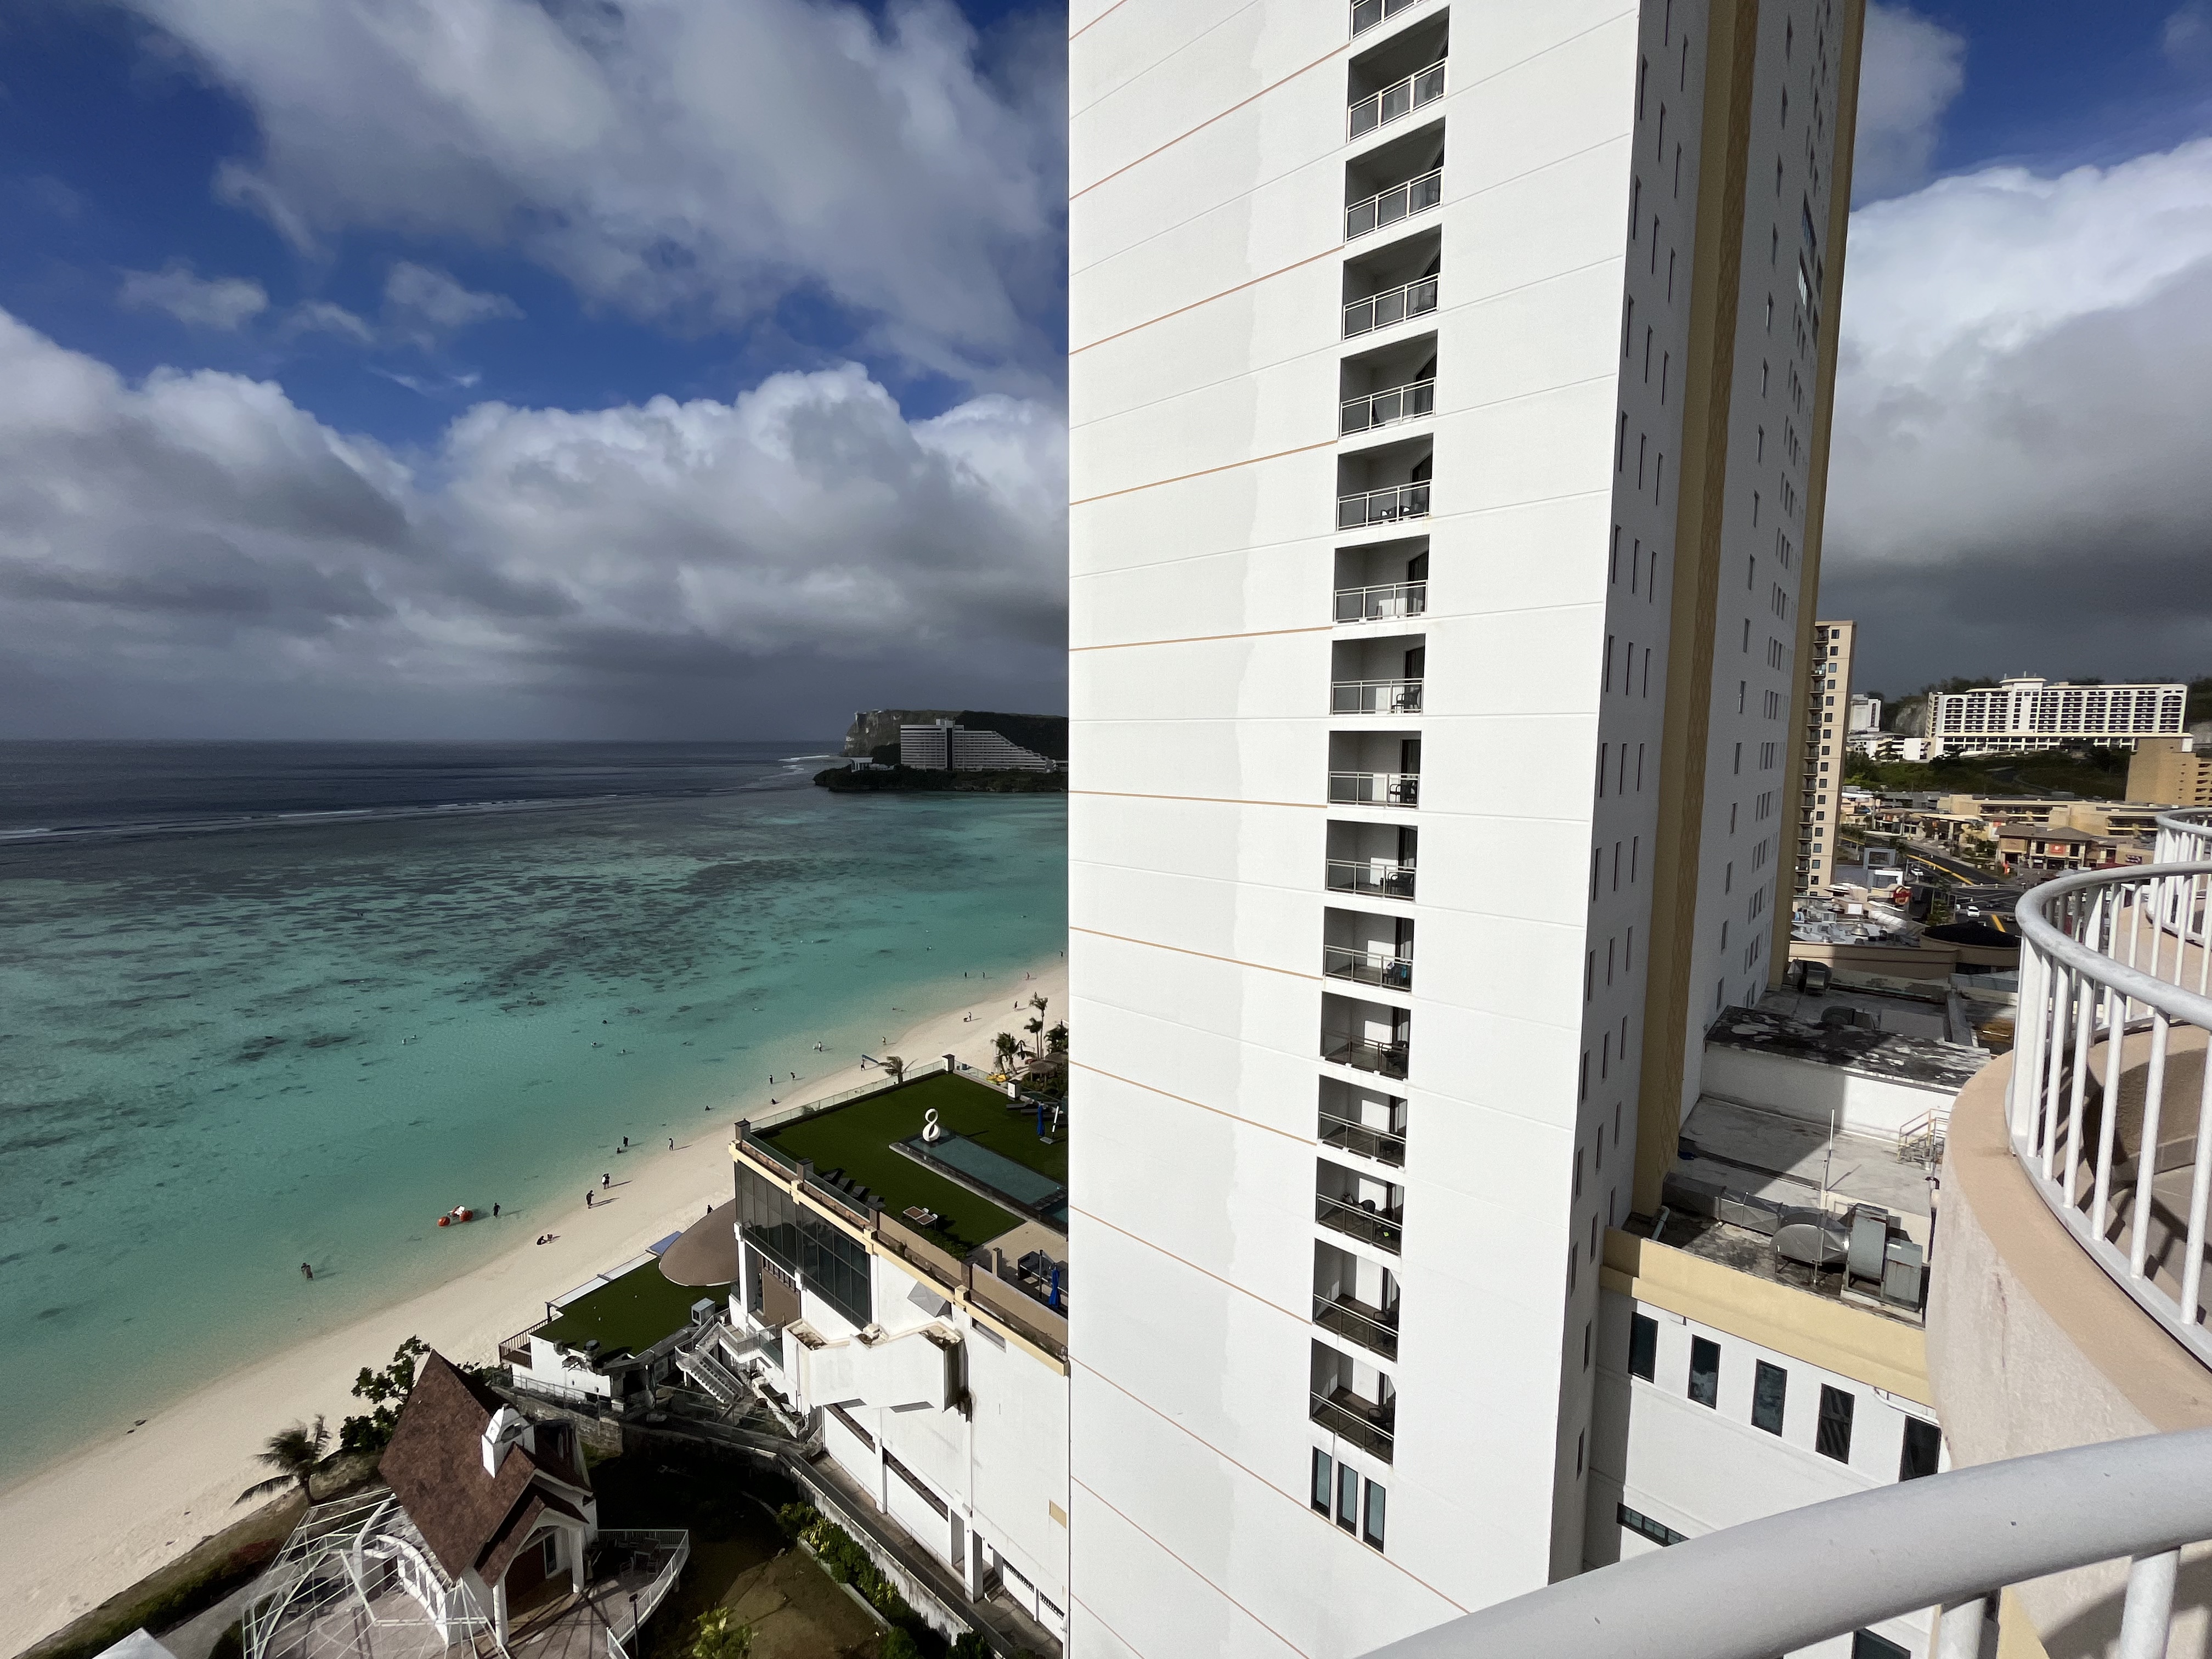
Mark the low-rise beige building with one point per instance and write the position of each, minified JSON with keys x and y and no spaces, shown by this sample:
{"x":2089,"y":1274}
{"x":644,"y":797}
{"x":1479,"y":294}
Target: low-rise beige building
{"x":2171,"y":769}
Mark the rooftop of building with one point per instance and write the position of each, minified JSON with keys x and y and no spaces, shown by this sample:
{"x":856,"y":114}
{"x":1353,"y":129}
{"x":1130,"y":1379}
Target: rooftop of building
{"x":1874,"y":1051}
{"x":627,"y":1312}
{"x":991,"y":1172}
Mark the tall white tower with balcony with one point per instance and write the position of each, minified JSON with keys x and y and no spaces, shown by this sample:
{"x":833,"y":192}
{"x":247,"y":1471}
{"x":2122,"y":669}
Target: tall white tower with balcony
{"x":1448,"y":395}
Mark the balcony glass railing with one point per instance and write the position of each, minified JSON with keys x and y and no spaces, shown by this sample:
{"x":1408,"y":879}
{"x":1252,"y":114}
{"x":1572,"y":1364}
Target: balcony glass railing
{"x":1380,"y":876}
{"x":1379,"y":109}
{"x":1366,"y":968}
{"x":1375,"y":697}
{"x":1387,"y":505}
{"x":1374,"y":788}
{"x":1375,"y":1329}
{"x":1366,"y":14}
{"x":1386,"y":602}
{"x":1386,"y":1059}
{"x":1386,"y":207}
{"x":1383,"y":1146}
{"x":1369,"y":1428}
{"x":1392,"y":305}
{"x":1400,"y":402}
{"x":1364,"y":1222}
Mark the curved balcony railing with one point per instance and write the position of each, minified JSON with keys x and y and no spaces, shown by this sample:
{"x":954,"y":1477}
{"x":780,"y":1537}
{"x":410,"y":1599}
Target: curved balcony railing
{"x":2110,"y":1103}
{"x":1366,"y":968}
{"x":1386,"y":207}
{"x":1375,"y":789}
{"x":1385,"y":602}
{"x":1942,"y":1542}
{"x":1423,"y":86}
{"x":1380,"y":876}
{"x":2184,"y":837}
{"x":1366,"y":14}
{"x":1385,"y":506}
{"x":1387,"y":408}
{"x":1374,"y":696}
{"x":1393,"y":305}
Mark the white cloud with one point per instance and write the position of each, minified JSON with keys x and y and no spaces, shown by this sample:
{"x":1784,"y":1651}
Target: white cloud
{"x":2187,"y":37}
{"x":322,"y":317}
{"x":224,"y":302}
{"x":196,"y":541}
{"x":424,"y":302}
{"x":2022,"y":468}
{"x":685,"y":157}
{"x":1910,"y":69}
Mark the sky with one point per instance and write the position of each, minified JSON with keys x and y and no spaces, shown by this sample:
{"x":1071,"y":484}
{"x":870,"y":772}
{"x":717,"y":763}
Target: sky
{"x":480,"y":368}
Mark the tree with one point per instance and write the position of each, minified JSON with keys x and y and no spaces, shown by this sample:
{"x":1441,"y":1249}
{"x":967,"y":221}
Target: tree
{"x":293,"y":1453}
{"x":718,"y":1635}
{"x":895,"y":1066}
{"x":1008,"y":1046}
{"x":386,"y":1391}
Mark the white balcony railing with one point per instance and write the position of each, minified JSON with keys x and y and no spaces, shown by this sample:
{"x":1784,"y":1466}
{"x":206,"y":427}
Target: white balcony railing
{"x":1944,"y":1541}
{"x":1387,"y":408}
{"x":1382,"y":876}
{"x":1386,"y":207}
{"x":1366,"y":14}
{"x":2184,"y":837}
{"x":1385,"y":602}
{"x":1374,"y":788}
{"x":1393,"y":305}
{"x":1385,"y":506}
{"x":1423,"y":86}
{"x":2111,"y":963}
{"x":1375,"y":697}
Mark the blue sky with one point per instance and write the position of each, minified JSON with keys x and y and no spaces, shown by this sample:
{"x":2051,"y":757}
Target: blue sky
{"x":476,"y":368}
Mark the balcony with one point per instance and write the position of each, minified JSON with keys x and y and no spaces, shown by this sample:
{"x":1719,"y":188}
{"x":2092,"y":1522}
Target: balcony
{"x":1388,"y":407}
{"x":1423,"y":86}
{"x":1393,"y":305}
{"x":1372,"y":1328}
{"x":1344,"y":1126}
{"x":1374,"y":788}
{"x":1384,"y":602}
{"x":1384,"y":506}
{"x":1386,"y":207}
{"x":1365,"y":967}
{"x":1367,"y":1221}
{"x":1366,"y":14}
{"x":1375,"y":878}
{"x":1367,"y":1055}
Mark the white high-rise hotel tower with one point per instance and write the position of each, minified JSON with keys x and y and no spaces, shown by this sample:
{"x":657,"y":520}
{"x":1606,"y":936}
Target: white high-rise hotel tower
{"x":1449,"y":390}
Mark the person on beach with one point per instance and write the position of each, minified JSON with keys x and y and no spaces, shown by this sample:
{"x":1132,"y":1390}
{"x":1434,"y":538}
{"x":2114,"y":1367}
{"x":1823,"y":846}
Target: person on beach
{"x":494,"y":1213}
{"x":605,"y":1181}
{"x":625,"y":1143}
{"x":306,"y":1271}
{"x":671,"y":1143}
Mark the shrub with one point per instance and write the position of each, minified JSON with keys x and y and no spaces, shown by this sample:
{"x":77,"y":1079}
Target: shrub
{"x":844,"y":1561}
{"x":898,"y":1644}
{"x":718,"y":1635}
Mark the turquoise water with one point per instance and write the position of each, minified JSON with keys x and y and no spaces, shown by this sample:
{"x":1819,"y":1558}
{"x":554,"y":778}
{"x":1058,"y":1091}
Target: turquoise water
{"x":222,"y":1054}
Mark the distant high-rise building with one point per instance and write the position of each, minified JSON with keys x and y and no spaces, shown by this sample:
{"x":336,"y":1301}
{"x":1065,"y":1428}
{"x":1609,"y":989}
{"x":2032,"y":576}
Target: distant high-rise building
{"x":1866,"y":715}
{"x":1828,"y":700}
{"x":1449,"y":394}
{"x":2025,"y":713}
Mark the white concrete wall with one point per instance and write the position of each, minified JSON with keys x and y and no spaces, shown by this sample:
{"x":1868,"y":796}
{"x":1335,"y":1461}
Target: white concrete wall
{"x":1865,"y":1104}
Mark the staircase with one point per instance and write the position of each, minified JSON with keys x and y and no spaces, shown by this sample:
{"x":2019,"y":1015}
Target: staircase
{"x":710,"y":1375}
{"x":1920,"y":1141}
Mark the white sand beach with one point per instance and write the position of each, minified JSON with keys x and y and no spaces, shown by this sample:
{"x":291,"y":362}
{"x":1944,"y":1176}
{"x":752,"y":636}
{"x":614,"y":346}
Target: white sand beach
{"x":83,"y":1529}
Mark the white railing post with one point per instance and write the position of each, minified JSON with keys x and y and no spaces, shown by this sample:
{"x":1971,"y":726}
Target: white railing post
{"x":2148,"y":1610}
{"x":1958,"y":1632}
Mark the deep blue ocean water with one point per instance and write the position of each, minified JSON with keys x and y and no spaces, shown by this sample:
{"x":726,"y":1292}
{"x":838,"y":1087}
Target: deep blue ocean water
{"x":262,"y":1004}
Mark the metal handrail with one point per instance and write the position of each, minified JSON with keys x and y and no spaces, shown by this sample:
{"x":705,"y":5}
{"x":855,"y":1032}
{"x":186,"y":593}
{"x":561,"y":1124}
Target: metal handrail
{"x":1393,"y":305}
{"x":1374,"y":788}
{"x":1386,"y":1059}
{"x":2182,"y":836}
{"x":1366,"y":14}
{"x":1400,"y":696}
{"x":1384,"y":602}
{"x":1378,"y":1335}
{"x":1379,"y":109}
{"x":1941,"y":1541}
{"x":1387,"y":880}
{"x":1352,"y":962}
{"x":1386,"y":207}
{"x":1389,"y":1145}
{"x":1380,"y":1228}
{"x":1348,"y":1424}
{"x":1384,"y":506}
{"x":2076,"y":993}
{"x":1388,"y":407}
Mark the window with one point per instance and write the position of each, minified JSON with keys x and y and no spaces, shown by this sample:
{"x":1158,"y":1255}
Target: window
{"x":1657,"y":1531}
{"x":1324,"y":1481}
{"x":769,"y":1218}
{"x":1704,"y":1371}
{"x":1834,"y":1439}
{"x":1924,"y":1445}
{"x":1642,"y":1346}
{"x":835,"y":1267}
{"x":1347,"y":1497}
{"x":1768,"y":1390}
{"x":1371,"y":1533}
{"x":1865,"y":1644}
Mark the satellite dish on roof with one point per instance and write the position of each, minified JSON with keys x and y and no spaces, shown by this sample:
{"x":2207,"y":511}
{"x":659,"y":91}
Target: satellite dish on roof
{"x":930,"y":1130}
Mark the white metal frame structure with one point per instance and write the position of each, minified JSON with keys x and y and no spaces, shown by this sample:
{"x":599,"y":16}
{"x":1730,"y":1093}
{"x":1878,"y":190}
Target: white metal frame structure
{"x":1943,"y":1542}
{"x":2117,"y":959}
{"x":326,"y":1592}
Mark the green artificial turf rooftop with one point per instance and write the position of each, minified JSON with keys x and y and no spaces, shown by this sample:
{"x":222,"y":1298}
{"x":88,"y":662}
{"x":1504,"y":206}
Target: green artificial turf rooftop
{"x":858,"y":1139}
{"x":632,"y":1312}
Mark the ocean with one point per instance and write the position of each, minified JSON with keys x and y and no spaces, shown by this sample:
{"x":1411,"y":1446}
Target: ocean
{"x":262,"y":1004}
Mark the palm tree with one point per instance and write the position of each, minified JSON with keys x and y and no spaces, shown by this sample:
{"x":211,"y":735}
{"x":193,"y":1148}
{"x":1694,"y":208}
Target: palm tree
{"x":895,"y":1066}
{"x":1007,"y":1045}
{"x":294,"y":1453}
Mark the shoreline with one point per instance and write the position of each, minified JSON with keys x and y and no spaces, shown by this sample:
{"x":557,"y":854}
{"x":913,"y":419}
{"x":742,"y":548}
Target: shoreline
{"x":97,"y":1518}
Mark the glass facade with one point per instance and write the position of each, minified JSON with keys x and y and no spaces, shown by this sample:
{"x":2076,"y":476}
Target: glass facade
{"x":835,"y":1267}
{"x":768,"y":1218}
